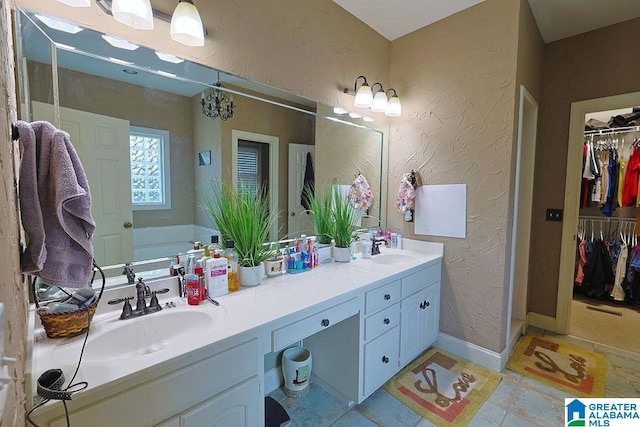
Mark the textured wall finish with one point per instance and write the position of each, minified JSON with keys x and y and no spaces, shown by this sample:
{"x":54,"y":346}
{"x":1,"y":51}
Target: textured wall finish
{"x":12,"y":291}
{"x":587,"y":66}
{"x":457,"y":85}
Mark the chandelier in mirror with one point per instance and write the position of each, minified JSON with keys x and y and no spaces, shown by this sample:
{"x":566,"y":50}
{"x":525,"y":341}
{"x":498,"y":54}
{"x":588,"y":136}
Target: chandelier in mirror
{"x":217,"y":103}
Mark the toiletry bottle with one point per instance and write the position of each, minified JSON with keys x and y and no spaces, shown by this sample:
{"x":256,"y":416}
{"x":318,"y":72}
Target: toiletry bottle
{"x":399,"y":241}
{"x":193,"y":289}
{"x":173,"y":267}
{"x":217,"y":275}
{"x":232,"y":258}
{"x":366,"y":248}
{"x":199,"y":271}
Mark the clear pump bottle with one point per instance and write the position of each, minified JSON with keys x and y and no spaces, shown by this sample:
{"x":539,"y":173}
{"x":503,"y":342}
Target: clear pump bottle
{"x":232,"y":257}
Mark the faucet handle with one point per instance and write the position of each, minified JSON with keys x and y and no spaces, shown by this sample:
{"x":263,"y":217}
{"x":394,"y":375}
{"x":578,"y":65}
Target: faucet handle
{"x":118,"y":300}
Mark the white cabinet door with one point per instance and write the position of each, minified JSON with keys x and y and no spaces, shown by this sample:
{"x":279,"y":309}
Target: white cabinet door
{"x":380,"y":360}
{"x":236,"y":407}
{"x":171,"y":422}
{"x":420,"y":322}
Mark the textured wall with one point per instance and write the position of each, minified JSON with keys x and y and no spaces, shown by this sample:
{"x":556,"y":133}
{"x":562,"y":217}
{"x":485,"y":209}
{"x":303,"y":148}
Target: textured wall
{"x":587,"y":66}
{"x":12,"y":292}
{"x":457,"y":82}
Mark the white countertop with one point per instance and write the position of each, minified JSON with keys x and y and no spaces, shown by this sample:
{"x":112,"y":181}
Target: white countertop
{"x":249,"y":310}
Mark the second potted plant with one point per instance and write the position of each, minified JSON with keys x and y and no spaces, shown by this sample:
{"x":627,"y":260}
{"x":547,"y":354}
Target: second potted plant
{"x":244,"y":217}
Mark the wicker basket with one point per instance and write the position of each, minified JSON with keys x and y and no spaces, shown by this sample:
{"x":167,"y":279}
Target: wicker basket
{"x":68,"y":323}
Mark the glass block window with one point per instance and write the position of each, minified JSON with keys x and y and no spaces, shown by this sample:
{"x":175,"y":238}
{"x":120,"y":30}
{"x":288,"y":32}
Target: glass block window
{"x":149,"y":161}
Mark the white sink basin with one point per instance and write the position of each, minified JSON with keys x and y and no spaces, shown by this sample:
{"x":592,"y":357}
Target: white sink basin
{"x":141,"y":336}
{"x":388,"y":259}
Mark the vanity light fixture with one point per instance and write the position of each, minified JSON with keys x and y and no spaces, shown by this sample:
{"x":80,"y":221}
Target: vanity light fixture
{"x":134,"y":13}
{"x":76,"y":3}
{"x":394,"y":108}
{"x":56,"y":24}
{"x":120,"y":43}
{"x":186,"y":24}
{"x":169,"y":58}
{"x":379,"y":103}
{"x":364,"y":96}
{"x":217,"y":103}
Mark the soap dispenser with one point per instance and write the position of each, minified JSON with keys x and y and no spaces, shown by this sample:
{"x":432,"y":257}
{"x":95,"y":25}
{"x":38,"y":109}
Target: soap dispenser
{"x":366,"y":248}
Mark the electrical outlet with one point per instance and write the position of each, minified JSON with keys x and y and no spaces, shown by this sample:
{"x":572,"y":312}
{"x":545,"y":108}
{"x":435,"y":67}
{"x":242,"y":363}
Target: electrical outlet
{"x":554,"y":214}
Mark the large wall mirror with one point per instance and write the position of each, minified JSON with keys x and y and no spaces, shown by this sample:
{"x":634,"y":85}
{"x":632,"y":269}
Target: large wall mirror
{"x":136,"y":118}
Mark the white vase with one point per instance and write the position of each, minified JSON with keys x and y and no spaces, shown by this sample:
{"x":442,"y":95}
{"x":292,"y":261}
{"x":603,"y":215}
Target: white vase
{"x":341,"y":254}
{"x":251,"y":276}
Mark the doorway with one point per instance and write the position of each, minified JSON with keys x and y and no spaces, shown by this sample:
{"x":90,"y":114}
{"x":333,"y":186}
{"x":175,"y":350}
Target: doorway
{"x":563,"y":321}
{"x":273,"y":143}
{"x":525,"y":162}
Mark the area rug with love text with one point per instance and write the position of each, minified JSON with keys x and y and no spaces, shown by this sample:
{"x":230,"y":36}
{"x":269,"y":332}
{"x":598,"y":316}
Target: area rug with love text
{"x":442,"y":388}
{"x":575,"y":370}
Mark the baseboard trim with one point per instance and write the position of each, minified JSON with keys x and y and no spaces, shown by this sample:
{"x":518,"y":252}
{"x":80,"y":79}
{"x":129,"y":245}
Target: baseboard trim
{"x":541,"y":321}
{"x":472,"y":352}
{"x":273,"y":380}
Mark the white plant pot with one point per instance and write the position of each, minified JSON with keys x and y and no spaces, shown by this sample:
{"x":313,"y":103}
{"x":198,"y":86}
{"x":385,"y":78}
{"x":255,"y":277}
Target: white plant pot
{"x":341,"y":254}
{"x":324,"y":254}
{"x":251,"y":276}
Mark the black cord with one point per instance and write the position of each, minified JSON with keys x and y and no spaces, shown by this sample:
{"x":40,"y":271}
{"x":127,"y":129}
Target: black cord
{"x":71,"y":385}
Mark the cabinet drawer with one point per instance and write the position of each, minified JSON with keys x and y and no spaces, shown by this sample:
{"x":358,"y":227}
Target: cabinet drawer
{"x":310,"y":325}
{"x":381,"y":360}
{"x":388,"y":318}
{"x":381,"y":297}
{"x":165,"y":396}
{"x":420,"y":279}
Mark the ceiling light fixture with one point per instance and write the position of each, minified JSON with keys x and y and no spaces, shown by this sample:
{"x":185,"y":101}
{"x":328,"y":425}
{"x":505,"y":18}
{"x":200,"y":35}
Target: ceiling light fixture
{"x":120,"y":43}
{"x":379,"y":103}
{"x":76,"y":3}
{"x":186,"y":24}
{"x":394,"y":108}
{"x":134,"y":13}
{"x":216,"y":103}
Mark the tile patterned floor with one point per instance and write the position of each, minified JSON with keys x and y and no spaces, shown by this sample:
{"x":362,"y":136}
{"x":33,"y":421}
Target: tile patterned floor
{"x":517,"y":400}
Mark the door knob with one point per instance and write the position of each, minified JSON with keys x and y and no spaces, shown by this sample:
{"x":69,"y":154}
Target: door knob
{"x":128,"y":225}
{"x":292,"y":213}
{"x":325,"y":322}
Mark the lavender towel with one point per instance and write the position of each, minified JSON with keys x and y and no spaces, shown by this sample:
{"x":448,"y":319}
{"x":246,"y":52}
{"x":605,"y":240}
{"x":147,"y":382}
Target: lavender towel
{"x":55,"y":207}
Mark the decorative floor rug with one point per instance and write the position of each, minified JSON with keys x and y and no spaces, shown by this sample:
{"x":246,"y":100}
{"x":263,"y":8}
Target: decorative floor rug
{"x":442,"y":388}
{"x":577,"y":371}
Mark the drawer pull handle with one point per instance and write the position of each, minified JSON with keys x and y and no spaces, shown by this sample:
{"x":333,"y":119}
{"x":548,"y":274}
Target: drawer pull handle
{"x":387,"y":297}
{"x":424,"y":304}
{"x":325,"y":322}
{"x":385,"y":359}
{"x":386,"y":321}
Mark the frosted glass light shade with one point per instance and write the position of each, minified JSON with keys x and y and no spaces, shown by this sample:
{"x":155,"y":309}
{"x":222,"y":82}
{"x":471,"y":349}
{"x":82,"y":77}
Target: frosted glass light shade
{"x":76,"y":3}
{"x":134,"y":13}
{"x":379,"y":103}
{"x":394,"y":108}
{"x":363,"y":96}
{"x":186,"y":25}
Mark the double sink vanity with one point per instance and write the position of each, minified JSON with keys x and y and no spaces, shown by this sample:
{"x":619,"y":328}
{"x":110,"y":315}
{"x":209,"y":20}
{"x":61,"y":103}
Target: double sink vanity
{"x":204,"y":365}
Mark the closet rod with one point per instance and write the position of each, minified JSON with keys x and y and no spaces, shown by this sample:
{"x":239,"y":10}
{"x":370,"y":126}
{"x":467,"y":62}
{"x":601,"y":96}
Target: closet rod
{"x":624,"y":129}
{"x":606,"y":218}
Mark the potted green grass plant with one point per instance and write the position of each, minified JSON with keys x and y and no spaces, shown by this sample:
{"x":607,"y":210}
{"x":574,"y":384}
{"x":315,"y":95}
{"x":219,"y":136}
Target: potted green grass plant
{"x":321,"y":212}
{"x":344,"y":217}
{"x":244,"y":217}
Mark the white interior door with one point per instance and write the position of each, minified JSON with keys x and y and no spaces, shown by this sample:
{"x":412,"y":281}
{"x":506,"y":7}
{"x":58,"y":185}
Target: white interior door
{"x":298,"y":221}
{"x":102,"y":143}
